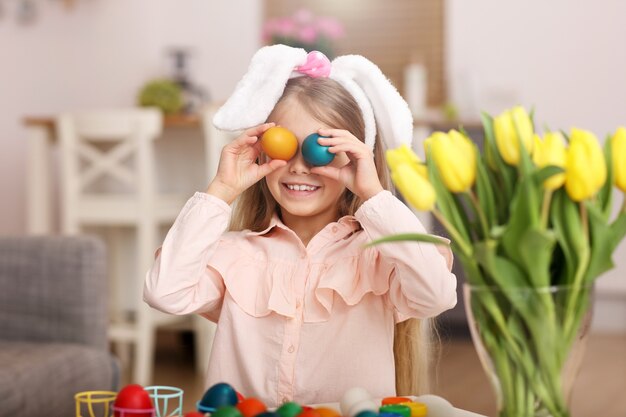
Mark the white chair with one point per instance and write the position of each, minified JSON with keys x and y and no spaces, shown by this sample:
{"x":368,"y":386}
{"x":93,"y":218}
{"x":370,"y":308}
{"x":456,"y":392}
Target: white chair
{"x":108,"y":179}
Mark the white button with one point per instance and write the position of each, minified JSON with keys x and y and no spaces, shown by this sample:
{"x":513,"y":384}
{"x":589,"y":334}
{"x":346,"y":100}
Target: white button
{"x":285,"y":400}
{"x":291,"y":349}
{"x":334,"y":229}
{"x":298,"y":304}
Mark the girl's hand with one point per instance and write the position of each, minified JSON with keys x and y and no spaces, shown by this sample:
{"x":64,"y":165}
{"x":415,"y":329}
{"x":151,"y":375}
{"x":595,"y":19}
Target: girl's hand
{"x":238,"y":169}
{"x":359,"y":174}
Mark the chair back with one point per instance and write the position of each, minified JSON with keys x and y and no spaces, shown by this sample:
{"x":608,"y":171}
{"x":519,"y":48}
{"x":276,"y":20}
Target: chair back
{"x":107,"y":153}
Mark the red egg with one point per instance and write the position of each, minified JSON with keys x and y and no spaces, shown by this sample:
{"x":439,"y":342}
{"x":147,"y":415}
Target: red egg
{"x":194,"y":414}
{"x":250,"y":407}
{"x":133,"y":397}
{"x":309,"y":413}
{"x":240,"y":396}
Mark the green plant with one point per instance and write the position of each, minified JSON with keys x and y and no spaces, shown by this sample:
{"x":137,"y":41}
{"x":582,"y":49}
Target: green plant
{"x":162,"y":93}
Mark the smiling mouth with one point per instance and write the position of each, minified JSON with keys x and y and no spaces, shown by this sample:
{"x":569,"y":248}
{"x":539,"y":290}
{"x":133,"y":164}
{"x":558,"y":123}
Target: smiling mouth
{"x":301,"y":187}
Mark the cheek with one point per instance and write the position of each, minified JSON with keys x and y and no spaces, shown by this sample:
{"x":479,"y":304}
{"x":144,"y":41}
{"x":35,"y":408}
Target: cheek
{"x":340,"y":160}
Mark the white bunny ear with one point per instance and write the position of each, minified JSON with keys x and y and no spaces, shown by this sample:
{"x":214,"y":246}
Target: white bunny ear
{"x":260,"y":88}
{"x":392,"y":113}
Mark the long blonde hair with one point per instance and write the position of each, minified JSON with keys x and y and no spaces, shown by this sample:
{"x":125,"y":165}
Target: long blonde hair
{"x":328,"y":102}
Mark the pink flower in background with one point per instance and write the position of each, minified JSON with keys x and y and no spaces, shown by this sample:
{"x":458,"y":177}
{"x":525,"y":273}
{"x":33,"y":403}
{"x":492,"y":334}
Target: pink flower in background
{"x":330,"y":27}
{"x":285,"y":27}
{"x":303,"y":16}
{"x":308,"y":34}
{"x":304,"y":30}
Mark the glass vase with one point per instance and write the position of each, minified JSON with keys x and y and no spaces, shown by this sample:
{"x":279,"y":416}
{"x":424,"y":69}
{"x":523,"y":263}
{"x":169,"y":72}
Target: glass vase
{"x":530,"y":342}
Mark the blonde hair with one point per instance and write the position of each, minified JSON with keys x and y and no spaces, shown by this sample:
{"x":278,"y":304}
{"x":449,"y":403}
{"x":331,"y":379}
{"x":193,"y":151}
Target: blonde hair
{"x":328,"y":102}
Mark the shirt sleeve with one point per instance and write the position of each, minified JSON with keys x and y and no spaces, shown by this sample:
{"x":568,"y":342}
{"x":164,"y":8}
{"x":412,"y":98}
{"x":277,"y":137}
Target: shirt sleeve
{"x":421,"y":283}
{"x":180,"y":281}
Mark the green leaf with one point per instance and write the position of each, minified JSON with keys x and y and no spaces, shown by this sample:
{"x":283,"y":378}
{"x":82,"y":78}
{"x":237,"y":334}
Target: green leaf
{"x":503,"y":273}
{"x":604,"y":240}
{"x":525,"y":215}
{"x":606,"y":192}
{"x":415,"y":237}
{"x":536,"y":248}
{"x":484,"y":192}
{"x":542,"y":174}
{"x":569,"y":233}
{"x":447,"y":204}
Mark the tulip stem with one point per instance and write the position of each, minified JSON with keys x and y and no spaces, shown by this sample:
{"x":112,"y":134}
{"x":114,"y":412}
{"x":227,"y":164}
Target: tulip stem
{"x":454,"y":233}
{"x":545,"y":208}
{"x":623,"y":203}
{"x":479,"y":211}
{"x":584,"y":220}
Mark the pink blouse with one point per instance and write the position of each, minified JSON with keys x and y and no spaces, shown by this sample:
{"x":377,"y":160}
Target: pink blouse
{"x":300,"y":323}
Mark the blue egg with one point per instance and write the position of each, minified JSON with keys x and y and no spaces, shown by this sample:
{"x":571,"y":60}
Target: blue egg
{"x":217,"y":396}
{"x":314,"y":153}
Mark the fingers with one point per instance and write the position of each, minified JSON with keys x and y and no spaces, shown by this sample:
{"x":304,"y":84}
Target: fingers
{"x":350,"y":145}
{"x":259,"y":130}
{"x":270,"y":166}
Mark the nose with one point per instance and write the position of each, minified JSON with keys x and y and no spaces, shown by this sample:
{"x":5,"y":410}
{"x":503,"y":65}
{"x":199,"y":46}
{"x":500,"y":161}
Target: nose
{"x":297,"y":164}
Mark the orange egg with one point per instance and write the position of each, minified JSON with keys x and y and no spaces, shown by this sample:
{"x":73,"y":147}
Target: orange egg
{"x":327,"y":412}
{"x":279,"y":143}
{"x":250,"y":407}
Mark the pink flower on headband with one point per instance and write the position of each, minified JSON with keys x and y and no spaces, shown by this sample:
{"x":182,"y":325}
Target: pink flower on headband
{"x":316,"y":65}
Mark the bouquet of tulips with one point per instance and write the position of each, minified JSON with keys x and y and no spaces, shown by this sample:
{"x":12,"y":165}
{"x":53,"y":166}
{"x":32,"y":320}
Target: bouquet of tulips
{"x":526,"y":214}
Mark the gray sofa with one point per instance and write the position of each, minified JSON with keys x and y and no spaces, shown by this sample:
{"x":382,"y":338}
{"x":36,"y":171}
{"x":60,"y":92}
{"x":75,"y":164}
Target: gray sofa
{"x":53,"y":324}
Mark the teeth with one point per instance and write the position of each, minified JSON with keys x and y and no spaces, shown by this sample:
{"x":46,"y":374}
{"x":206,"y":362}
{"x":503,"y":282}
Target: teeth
{"x":301,"y":187}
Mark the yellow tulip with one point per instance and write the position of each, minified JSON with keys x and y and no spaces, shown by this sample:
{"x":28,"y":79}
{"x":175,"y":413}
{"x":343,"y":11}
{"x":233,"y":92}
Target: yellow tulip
{"x":509,"y":128}
{"x":618,"y":150}
{"x":585,"y":168}
{"x":455,"y":158}
{"x":410,"y":176}
{"x":417,"y":190}
{"x":405,"y":155}
{"x":550,"y":151}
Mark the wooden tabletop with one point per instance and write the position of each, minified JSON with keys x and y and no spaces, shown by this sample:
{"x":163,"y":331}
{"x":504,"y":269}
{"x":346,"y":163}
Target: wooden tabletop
{"x":169,"y":120}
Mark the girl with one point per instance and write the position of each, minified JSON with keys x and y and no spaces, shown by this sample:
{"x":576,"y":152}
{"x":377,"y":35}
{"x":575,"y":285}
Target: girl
{"x":304,"y":310}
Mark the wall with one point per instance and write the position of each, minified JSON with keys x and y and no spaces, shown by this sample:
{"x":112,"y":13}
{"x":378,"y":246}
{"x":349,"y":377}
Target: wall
{"x":98,"y":55}
{"x":562,"y":57}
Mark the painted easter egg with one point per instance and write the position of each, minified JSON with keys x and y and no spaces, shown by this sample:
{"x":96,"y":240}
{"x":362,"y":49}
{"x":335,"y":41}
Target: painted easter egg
{"x":398,"y":409}
{"x":314,"y":153}
{"x":218,"y":395}
{"x":133,"y":397}
{"x":289,"y":409}
{"x":327,"y":412}
{"x":251,"y":407}
{"x":227,"y":411}
{"x":279,"y":143}
{"x":356,"y":400}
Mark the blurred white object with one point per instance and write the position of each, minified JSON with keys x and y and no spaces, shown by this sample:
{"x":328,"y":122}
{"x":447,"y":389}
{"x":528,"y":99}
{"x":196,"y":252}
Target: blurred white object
{"x":108,"y":179}
{"x":355,"y":400}
{"x":437,"y":406}
{"x":416,"y":88}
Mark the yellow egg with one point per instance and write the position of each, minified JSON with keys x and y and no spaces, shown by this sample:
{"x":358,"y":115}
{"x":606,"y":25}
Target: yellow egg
{"x":279,"y":143}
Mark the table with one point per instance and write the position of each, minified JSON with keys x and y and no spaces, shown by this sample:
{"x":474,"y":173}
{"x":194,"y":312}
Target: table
{"x":457,"y":411}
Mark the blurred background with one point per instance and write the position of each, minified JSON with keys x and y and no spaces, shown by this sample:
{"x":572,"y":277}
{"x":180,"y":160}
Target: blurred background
{"x":451,"y":59}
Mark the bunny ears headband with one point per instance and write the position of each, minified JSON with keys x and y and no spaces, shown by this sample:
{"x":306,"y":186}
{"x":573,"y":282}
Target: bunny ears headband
{"x":272,"y":66}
